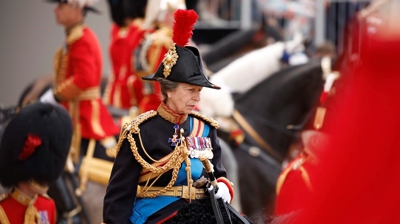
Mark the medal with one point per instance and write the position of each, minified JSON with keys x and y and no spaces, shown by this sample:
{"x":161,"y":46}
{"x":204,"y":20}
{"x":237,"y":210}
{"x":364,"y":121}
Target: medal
{"x":199,"y":146}
{"x":174,"y":140}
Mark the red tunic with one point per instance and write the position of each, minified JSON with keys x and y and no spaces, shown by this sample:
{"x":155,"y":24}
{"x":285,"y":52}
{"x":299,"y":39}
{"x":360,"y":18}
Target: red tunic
{"x":359,"y":180}
{"x":13,"y":208}
{"x":77,"y":84}
{"x":155,"y":46}
{"x":125,"y":89}
{"x":294,"y":186}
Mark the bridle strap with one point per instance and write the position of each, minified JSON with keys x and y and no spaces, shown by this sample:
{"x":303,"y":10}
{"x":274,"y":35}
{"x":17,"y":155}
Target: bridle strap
{"x":248,"y":129}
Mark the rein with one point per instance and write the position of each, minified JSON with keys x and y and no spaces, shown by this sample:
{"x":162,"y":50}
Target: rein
{"x":248,"y":129}
{"x":272,"y":125}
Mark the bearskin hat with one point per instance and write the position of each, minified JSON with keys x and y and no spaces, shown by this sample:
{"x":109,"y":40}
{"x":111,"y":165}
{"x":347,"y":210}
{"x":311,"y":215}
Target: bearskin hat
{"x":122,"y":9}
{"x":35,"y":144}
{"x":183,"y":63}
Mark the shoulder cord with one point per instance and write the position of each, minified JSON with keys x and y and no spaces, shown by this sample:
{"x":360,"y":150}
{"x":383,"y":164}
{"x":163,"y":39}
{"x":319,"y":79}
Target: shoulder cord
{"x":175,"y":159}
{"x":3,"y":216}
{"x":174,"y":163}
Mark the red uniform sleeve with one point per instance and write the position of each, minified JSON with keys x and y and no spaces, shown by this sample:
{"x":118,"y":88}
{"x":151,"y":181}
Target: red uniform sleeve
{"x":83,"y":62}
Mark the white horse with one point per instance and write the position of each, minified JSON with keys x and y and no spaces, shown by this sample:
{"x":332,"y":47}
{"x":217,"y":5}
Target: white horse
{"x":244,"y":73}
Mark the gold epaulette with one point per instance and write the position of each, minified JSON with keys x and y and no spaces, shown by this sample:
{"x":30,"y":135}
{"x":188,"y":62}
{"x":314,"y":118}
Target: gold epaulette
{"x":3,"y":197}
{"x":75,"y":34}
{"x":162,"y":37}
{"x":133,"y":126}
{"x":46,"y":196}
{"x":203,"y":117}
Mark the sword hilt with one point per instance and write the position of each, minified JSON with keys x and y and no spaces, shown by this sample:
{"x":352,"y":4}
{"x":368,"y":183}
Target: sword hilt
{"x":210,"y":171}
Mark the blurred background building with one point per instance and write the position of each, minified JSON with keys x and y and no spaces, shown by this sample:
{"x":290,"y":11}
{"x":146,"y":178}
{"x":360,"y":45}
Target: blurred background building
{"x":29,"y":35}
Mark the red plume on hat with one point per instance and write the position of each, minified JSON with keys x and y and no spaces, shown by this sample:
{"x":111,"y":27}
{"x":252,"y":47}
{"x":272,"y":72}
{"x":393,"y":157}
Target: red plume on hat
{"x":31,"y":143}
{"x":183,"y":63}
{"x":183,"y":26}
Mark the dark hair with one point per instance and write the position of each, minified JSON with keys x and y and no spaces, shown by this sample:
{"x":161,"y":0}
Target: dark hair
{"x":166,"y":86}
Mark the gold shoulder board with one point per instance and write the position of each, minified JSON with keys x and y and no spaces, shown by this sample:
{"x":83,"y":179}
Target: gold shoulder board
{"x":133,"y":126}
{"x":46,"y":196}
{"x":205,"y":118}
{"x":3,"y":197}
{"x":163,"y":37}
{"x":75,"y":34}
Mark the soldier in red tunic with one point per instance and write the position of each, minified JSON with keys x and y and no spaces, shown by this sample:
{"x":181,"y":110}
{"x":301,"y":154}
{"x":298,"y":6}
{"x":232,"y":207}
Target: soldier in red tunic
{"x":295,"y":184}
{"x":78,"y":72}
{"x":153,"y":47}
{"x":125,"y":89}
{"x":358,"y":181}
{"x":33,"y":152}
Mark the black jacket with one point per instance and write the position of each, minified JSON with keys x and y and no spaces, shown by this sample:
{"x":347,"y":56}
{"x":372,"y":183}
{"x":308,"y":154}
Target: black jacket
{"x":121,"y":190}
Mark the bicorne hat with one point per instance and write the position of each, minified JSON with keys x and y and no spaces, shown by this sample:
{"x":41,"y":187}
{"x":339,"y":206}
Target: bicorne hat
{"x":183,"y":63}
{"x":35,"y":145}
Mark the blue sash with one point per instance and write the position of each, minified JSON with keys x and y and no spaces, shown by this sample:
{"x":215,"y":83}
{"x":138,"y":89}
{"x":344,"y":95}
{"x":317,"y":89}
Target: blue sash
{"x":145,"y":207}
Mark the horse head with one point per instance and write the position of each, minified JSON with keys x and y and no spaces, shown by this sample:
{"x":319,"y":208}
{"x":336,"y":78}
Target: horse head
{"x":285,"y":98}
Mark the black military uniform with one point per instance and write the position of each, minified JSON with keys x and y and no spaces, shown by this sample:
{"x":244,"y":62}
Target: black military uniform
{"x":157,"y":169}
{"x":127,"y":170}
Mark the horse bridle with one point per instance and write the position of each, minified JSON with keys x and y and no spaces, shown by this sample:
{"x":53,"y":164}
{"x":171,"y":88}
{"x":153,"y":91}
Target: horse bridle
{"x":253,"y":134}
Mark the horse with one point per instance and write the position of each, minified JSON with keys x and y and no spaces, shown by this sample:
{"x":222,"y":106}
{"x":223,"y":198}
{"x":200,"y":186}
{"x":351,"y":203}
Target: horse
{"x":264,"y":113}
{"x":230,"y":164}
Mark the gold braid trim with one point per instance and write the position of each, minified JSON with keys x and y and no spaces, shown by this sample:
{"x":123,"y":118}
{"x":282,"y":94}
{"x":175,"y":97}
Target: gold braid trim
{"x":209,"y":120}
{"x":75,"y":34}
{"x":133,"y":126}
{"x":306,"y":178}
{"x":282,"y":178}
{"x":163,"y":37}
{"x":3,"y":216}
{"x":60,"y":62}
{"x":175,"y":160}
{"x":174,"y":163}
{"x":31,"y":214}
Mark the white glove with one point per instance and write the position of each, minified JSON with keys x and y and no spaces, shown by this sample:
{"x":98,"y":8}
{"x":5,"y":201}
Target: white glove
{"x":223,"y":192}
{"x":48,"y":97}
